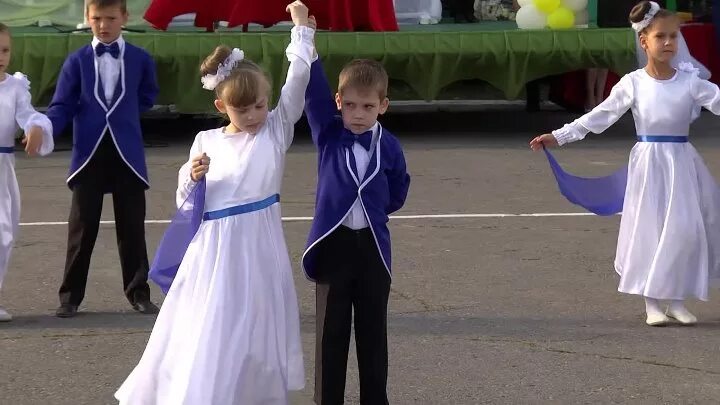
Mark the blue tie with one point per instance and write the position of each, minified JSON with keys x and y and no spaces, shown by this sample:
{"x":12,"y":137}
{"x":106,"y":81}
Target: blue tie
{"x":364,"y":139}
{"x":113,"y":49}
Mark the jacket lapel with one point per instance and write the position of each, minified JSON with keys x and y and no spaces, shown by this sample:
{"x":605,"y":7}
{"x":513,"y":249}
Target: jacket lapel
{"x":352,"y":164}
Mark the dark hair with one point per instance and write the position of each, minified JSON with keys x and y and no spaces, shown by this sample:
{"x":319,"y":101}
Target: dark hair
{"x":4,"y":29}
{"x":107,"y":3}
{"x":364,"y":75}
{"x":245,"y":84}
{"x":638,"y":12}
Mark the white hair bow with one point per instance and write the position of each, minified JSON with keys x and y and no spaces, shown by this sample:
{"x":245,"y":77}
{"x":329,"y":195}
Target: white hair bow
{"x":210,"y":82}
{"x":639,"y":26}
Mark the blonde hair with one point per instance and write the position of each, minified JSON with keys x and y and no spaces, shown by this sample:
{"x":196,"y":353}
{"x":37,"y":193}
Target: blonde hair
{"x":364,"y":75}
{"x":245,"y":84}
{"x":107,"y":3}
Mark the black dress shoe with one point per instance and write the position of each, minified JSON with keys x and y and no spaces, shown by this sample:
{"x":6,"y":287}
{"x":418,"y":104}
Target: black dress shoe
{"x":146,"y":307}
{"x":66,"y":311}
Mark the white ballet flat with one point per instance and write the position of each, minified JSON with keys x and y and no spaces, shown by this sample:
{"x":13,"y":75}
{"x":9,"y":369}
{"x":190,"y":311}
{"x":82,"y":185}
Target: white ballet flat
{"x":5,"y":315}
{"x":681,"y":315}
{"x":657,"y":319}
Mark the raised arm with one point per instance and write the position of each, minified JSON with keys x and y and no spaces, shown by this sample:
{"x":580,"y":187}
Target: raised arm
{"x":601,"y":117}
{"x":291,"y":103}
{"x":65,"y":101}
{"x":320,"y":107}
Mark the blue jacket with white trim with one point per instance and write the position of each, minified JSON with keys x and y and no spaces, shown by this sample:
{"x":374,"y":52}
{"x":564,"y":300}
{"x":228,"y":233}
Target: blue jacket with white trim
{"x":382,"y":191}
{"x":79,"y":97}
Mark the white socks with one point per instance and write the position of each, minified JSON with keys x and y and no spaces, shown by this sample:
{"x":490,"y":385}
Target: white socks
{"x":676,"y":310}
{"x":655,"y":315}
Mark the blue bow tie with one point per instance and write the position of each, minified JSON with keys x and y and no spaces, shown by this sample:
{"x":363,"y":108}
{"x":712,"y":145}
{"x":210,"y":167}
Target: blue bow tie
{"x":364,"y":139}
{"x":113,"y":49}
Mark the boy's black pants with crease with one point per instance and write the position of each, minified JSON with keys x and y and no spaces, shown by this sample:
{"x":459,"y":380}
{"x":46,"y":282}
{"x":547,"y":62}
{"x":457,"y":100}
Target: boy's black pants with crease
{"x":351,"y":277}
{"x":106,"y":172}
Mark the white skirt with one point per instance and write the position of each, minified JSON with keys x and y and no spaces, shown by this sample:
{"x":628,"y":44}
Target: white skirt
{"x":670,"y":228}
{"x":229,"y":329}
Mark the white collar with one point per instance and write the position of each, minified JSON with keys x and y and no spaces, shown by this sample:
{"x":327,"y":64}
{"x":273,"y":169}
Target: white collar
{"x":120,"y":41}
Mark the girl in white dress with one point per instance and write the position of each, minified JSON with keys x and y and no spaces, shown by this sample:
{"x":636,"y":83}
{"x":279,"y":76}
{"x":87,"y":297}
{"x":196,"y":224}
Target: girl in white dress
{"x":15,"y":112}
{"x":229,"y":330}
{"x":670,"y":230}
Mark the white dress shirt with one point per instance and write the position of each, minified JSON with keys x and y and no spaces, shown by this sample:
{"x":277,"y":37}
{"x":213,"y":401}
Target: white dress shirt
{"x":109,"y":69}
{"x":356,"y":218}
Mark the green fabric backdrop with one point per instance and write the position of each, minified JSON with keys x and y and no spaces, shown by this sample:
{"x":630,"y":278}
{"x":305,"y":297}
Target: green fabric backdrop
{"x":420,"y":64}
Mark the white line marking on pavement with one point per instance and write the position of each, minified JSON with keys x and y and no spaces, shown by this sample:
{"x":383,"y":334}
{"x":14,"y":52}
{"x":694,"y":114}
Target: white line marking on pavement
{"x":396,"y":217}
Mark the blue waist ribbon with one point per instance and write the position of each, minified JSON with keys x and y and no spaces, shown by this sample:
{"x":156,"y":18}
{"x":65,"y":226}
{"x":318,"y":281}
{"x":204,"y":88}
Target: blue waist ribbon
{"x":662,"y":138}
{"x":242,"y":209}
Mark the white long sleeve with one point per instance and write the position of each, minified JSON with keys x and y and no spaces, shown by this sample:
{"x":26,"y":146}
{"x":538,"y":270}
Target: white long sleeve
{"x":601,"y":117}
{"x":185,"y":182}
{"x":27,"y":117}
{"x":290,"y":106}
{"x":706,"y":94}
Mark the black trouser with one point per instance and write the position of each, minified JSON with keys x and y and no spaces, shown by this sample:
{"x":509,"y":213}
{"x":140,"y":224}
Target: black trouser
{"x":461,"y":8}
{"x":351,"y":276}
{"x":106,"y":172}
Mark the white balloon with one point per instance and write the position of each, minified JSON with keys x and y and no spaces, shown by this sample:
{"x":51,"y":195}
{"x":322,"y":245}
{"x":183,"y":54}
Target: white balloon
{"x":576,"y":5}
{"x":523,"y":3}
{"x":530,"y":18}
{"x":582,"y":17}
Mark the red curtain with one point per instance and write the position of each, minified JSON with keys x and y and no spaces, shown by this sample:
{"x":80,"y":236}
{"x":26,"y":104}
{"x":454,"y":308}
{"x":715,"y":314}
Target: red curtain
{"x":335,"y":15}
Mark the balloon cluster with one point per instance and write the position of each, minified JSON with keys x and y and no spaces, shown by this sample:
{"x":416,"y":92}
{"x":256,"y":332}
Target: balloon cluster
{"x":555,"y":14}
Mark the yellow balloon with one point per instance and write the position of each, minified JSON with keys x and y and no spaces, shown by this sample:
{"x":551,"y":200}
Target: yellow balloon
{"x":561,"y":18}
{"x":547,"y":6}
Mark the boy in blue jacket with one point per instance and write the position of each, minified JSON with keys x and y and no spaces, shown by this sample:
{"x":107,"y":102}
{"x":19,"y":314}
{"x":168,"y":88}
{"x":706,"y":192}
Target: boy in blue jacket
{"x":362,"y":178}
{"x":103,"y":87}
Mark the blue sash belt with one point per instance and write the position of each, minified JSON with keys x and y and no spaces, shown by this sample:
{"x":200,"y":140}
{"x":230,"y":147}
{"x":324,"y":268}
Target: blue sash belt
{"x":242,"y":209}
{"x":662,"y":138}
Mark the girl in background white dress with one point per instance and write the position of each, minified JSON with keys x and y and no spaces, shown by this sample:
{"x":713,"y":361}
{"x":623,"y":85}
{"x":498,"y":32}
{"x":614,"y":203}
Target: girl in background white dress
{"x":229,"y":331}
{"x":15,"y":112}
{"x":670,"y":230}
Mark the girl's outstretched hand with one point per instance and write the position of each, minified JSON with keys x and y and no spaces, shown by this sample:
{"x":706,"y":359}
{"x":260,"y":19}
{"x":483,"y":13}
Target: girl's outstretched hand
{"x":547,"y":140}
